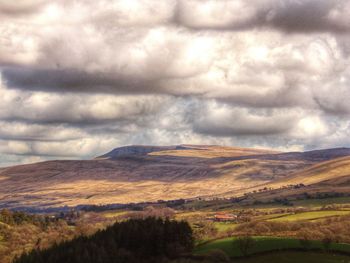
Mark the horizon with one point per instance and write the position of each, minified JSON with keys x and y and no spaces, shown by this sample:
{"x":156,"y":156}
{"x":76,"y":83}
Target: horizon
{"x":109,"y":74}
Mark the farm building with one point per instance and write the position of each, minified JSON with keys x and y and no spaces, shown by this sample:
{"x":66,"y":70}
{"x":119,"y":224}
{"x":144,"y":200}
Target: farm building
{"x":224,"y":217}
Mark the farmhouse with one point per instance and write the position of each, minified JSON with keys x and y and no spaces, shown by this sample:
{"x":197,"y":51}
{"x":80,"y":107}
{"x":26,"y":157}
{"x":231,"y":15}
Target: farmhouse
{"x":224,"y":217}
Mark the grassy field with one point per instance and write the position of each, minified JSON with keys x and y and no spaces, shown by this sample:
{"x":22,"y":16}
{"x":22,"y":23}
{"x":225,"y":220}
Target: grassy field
{"x":221,"y":226}
{"x":192,"y":214}
{"x":263,"y":244}
{"x":315,"y":203}
{"x":314,"y":215}
{"x":292,"y":257}
{"x":112,"y":214}
{"x":271,"y":216}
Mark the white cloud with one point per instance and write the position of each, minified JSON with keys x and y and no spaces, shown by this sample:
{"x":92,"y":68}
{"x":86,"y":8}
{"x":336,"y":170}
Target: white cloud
{"x":216,"y":14}
{"x":310,"y":127}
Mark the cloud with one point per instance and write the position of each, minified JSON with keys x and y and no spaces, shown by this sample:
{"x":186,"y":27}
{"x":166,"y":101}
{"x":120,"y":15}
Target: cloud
{"x":333,"y":96}
{"x":118,"y":62}
{"x":223,"y":120}
{"x":211,"y":14}
{"x":19,"y":131}
{"x":309,"y":16}
{"x":20,"y":7}
{"x":81,"y":77}
{"x":288,"y":16}
{"x":71,"y":108}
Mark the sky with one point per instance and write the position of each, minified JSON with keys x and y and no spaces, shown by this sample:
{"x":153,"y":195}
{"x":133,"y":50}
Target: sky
{"x":79,"y":78}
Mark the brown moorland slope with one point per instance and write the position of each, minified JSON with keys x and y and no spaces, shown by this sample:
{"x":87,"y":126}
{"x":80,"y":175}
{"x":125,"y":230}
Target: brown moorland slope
{"x":332,"y":172}
{"x":148,"y":173}
{"x":328,"y":177}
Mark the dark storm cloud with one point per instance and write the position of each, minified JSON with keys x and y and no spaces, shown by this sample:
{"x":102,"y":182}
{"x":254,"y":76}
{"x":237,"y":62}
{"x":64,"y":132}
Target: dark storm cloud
{"x":72,"y":80}
{"x":236,"y":128}
{"x":308,"y":16}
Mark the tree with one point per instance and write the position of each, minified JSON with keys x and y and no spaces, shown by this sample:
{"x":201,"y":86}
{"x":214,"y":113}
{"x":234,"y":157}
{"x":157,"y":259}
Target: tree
{"x":245,"y":244}
{"x":135,"y":240}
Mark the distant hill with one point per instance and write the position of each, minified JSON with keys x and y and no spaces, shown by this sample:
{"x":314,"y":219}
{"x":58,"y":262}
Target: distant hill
{"x":316,"y":155}
{"x":199,"y":151}
{"x":150,"y":173}
{"x":133,"y":150}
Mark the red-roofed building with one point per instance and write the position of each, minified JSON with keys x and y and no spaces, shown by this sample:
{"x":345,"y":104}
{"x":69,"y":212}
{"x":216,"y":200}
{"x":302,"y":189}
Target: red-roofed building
{"x":224,"y":217}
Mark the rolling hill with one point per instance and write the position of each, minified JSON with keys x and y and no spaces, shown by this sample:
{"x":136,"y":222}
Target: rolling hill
{"x":328,"y":177}
{"x":333,"y":172}
{"x":150,"y":173}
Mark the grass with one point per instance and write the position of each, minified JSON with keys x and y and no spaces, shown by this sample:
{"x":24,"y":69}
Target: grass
{"x":271,"y":216}
{"x":222,"y":227}
{"x":292,"y":257}
{"x":321,"y":202}
{"x":2,"y":243}
{"x":112,"y":214}
{"x":313,"y":215}
{"x":309,"y":203}
{"x":192,"y":214}
{"x":263,"y":244}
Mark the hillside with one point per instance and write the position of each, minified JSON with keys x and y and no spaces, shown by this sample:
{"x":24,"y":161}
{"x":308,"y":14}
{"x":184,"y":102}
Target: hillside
{"x":329,"y":177}
{"x":332,"y":172}
{"x":147,"y":173}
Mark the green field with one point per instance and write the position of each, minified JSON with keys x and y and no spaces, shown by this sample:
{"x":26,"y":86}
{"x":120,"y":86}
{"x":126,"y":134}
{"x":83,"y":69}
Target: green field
{"x":321,"y":202}
{"x":308,"y":203}
{"x":292,"y":257}
{"x":313,"y":215}
{"x":271,"y":216}
{"x":263,"y":244}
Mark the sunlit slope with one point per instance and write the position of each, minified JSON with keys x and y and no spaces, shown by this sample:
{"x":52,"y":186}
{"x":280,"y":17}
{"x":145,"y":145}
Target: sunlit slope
{"x":184,"y":150}
{"x":207,"y":151}
{"x":329,"y":177}
{"x":330,"y":172}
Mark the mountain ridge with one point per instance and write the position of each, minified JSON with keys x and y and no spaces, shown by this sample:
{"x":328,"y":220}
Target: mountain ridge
{"x":149,"y":173}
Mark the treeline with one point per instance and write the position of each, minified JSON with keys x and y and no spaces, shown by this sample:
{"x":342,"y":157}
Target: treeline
{"x":17,"y":218}
{"x":133,"y":206}
{"x":20,"y":231}
{"x":335,"y":229}
{"x":135,"y":240}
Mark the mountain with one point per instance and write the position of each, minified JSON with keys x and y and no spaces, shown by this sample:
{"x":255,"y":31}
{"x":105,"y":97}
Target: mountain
{"x":150,"y":173}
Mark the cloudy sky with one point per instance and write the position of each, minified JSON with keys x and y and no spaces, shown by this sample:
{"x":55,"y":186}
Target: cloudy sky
{"x":79,"y":77}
